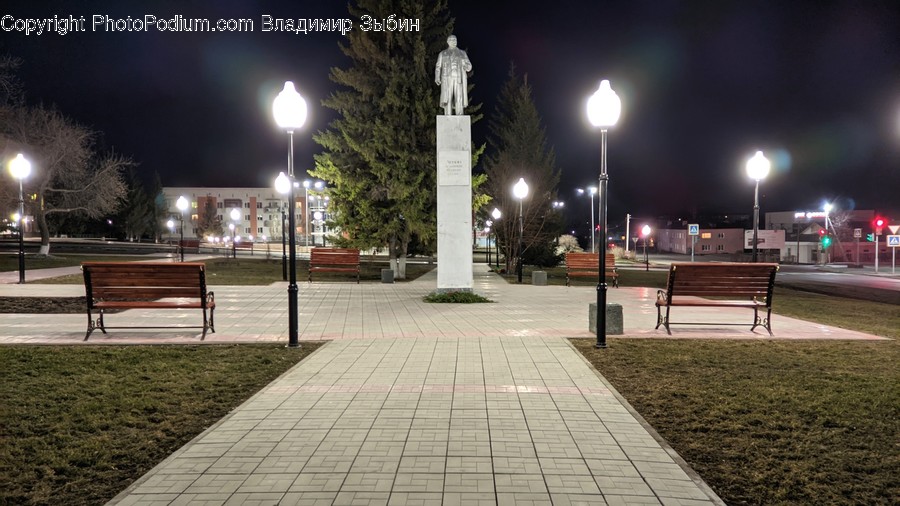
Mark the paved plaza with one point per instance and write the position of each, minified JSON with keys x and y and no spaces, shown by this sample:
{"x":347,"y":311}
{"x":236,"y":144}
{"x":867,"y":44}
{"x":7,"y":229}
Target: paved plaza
{"x":416,"y":403}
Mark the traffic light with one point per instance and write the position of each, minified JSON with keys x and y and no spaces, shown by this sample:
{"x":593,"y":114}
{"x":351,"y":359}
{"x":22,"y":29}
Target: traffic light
{"x":879,"y":223}
{"x":826,"y":241}
{"x":870,"y":237}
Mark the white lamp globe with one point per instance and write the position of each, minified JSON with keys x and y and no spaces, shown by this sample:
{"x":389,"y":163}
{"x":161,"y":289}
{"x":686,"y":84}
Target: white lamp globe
{"x":235,"y":214}
{"x":181,"y":204}
{"x":758,"y":166}
{"x":19,"y":167}
{"x":604,"y":106}
{"x":645,"y":230}
{"x":496,"y":213}
{"x":282,"y":183}
{"x":289,"y":108}
{"x":520,"y":190}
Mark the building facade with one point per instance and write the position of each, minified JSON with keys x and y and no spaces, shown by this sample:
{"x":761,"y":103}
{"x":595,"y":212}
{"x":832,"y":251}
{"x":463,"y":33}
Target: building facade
{"x":709,"y":241}
{"x":260,"y":212}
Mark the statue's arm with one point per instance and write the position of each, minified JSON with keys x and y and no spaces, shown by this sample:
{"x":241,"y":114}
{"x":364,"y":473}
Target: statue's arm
{"x":467,"y":65}
{"x":437,"y":70}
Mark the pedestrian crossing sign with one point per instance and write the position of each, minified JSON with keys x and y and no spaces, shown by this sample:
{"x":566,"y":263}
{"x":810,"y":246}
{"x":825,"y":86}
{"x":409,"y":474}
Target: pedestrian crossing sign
{"x":694,"y":229}
{"x":893,"y":241}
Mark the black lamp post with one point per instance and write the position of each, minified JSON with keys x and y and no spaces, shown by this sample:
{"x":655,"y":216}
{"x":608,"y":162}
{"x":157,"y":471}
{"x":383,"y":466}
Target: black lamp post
{"x":645,"y":233}
{"x":284,"y":273}
{"x":20,"y":168}
{"x":289,"y":109}
{"x":182,"y":205}
{"x":520,"y":191}
{"x":496,"y":214}
{"x":757,"y":168}
{"x":603,"y":110}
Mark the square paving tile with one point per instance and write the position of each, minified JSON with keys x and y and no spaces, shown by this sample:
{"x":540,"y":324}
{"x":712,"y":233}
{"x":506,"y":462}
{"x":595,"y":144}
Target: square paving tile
{"x":419,"y":482}
{"x":422,"y":464}
{"x":469,"y":482}
{"x":518,"y":483}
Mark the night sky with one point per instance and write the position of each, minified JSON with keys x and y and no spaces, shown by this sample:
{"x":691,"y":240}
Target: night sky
{"x":814,"y":84}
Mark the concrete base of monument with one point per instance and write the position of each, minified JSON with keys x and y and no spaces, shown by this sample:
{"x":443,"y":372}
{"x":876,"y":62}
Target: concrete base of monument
{"x":615,"y":323}
{"x":441,"y":291}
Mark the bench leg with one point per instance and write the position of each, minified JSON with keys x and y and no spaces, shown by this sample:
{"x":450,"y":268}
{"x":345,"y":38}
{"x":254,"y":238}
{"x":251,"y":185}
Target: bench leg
{"x":756,"y":321}
{"x":91,"y":326}
{"x":208,"y":325}
{"x":768,"y":322}
{"x":663,"y":321}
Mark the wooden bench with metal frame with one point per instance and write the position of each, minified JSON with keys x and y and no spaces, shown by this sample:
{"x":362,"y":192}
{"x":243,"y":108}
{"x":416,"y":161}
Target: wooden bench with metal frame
{"x":141,"y":285}
{"x":334,"y":260}
{"x":588,"y":265}
{"x":734,"y":284}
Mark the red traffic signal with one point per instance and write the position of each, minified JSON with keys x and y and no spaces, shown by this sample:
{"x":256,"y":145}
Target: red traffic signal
{"x":879,"y":223}
{"x":821,"y":232}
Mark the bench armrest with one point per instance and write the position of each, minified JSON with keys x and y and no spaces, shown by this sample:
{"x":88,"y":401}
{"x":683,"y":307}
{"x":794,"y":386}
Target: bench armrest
{"x":662,"y":297}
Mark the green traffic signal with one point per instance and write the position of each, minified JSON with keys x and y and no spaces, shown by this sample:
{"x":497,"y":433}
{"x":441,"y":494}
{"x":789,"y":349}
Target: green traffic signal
{"x":826,"y":241}
{"x":870,"y":237}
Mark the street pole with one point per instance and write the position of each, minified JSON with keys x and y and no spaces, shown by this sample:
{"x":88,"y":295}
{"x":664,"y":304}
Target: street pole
{"x":601,"y":277}
{"x":21,"y":235}
{"x":293,"y":317}
{"x":627,"y":232}
{"x":755,"y":219}
{"x":181,"y":236}
{"x":284,"y":273}
{"x":521,"y":241}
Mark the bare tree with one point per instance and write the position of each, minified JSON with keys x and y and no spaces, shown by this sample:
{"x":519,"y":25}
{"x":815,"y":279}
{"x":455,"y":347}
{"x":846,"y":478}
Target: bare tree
{"x":67,"y":175}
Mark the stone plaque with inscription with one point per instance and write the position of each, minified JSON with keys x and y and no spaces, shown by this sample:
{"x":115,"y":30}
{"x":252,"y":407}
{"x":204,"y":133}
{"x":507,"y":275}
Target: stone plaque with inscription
{"x":453,"y":168}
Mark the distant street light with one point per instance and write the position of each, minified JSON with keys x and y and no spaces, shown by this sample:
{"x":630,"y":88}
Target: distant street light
{"x":496,"y":214}
{"x":603,"y":109}
{"x":487,"y":232}
{"x":235,"y":217}
{"x":592,"y":190}
{"x":827,"y":207}
{"x":645,"y":233}
{"x":283,"y":186}
{"x":757,"y":168}
{"x":317,"y":221}
{"x":520,"y":191}
{"x":20,"y":168}
{"x":289,"y":110}
{"x":182,"y":205}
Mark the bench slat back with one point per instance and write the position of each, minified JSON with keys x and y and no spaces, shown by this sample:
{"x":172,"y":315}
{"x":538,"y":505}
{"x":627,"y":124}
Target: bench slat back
{"x":575,"y":260}
{"x":334,"y":256}
{"x":731,"y":279}
{"x":145,"y":280}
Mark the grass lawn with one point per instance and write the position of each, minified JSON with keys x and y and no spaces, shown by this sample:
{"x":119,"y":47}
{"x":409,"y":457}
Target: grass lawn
{"x":79,"y":424}
{"x":770,"y":422}
{"x":260,"y":271}
{"x":10,"y":262}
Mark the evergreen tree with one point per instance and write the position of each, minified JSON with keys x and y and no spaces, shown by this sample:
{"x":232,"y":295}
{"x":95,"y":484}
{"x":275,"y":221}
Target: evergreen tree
{"x":160,"y":210}
{"x":380,"y":154}
{"x":134,"y":219}
{"x":517,"y":147}
{"x":208,"y":223}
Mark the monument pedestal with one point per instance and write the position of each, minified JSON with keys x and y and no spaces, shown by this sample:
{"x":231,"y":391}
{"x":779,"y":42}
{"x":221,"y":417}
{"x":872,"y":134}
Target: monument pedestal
{"x":454,"y":204}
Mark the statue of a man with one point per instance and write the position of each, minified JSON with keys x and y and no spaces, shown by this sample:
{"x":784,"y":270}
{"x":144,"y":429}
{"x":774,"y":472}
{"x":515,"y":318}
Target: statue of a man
{"x":450,"y":74}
